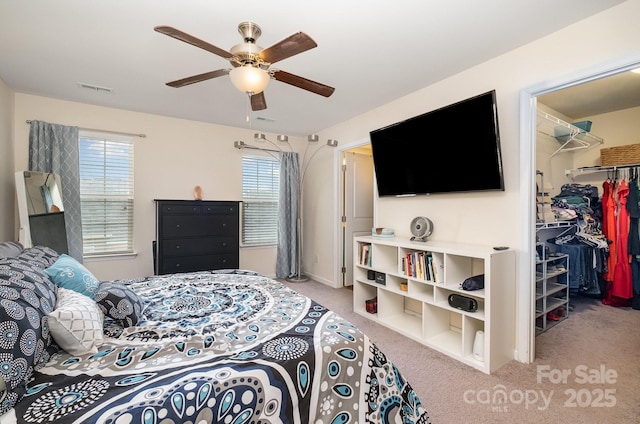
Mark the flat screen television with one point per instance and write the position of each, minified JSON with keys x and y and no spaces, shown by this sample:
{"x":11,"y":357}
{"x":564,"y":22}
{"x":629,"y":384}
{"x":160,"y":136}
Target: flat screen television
{"x":452,"y":149}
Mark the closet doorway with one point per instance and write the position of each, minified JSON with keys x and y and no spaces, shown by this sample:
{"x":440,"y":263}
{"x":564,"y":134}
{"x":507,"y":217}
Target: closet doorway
{"x":603,"y":92}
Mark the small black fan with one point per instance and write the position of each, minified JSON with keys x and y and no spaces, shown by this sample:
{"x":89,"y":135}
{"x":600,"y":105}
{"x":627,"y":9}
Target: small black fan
{"x":421,"y":228}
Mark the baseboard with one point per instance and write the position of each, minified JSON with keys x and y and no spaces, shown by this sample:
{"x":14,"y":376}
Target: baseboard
{"x":322,"y":280}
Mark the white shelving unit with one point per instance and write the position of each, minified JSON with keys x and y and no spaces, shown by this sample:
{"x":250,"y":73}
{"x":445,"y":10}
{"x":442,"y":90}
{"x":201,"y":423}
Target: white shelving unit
{"x":552,"y":292}
{"x":573,"y":173}
{"x":552,"y":278}
{"x":571,"y":137}
{"x":417,"y":306}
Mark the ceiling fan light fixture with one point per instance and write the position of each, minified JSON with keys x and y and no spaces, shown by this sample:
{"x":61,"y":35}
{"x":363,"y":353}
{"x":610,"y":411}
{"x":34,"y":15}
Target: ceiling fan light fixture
{"x":249,"y":79}
{"x":313,"y":138}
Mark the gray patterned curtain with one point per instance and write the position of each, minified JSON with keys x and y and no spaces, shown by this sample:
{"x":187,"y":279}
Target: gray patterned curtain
{"x":289,"y":201}
{"x":54,"y":148}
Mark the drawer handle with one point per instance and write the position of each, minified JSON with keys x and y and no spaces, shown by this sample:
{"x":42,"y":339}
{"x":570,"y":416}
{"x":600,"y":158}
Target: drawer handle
{"x":224,"y":261}
{"x":224,"y":243}
{"x":177,"y":246}
{"x":177,"y":225}
{"x":195,"y":209}
{"x":177,"y":265}
{"x":224,"y":225}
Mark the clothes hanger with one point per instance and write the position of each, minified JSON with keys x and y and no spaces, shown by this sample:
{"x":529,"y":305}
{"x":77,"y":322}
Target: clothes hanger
{"x":589,"y":234}
{"x":564,"y":236}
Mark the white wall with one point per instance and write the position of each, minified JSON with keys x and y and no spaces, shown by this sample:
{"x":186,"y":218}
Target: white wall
{"x":493,"y":218}
{"x":7,"y":190}
{"x":175,"y":156}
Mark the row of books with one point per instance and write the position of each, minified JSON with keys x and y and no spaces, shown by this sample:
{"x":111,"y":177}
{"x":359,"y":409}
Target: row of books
{"x":422,"y":265}
{"x":365,"y":254}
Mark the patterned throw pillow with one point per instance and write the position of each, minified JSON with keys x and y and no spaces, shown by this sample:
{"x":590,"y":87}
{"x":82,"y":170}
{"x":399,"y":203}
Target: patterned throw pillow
{"x":69,"y":273}
{"x":76,"y":323}
{"x":27,"y":295}
{"x":119,"y":302}
{"x":39,"y":257}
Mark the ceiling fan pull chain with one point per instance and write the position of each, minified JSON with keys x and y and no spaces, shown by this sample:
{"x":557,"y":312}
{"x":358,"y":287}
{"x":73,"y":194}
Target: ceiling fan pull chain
{"x":249,"y":110}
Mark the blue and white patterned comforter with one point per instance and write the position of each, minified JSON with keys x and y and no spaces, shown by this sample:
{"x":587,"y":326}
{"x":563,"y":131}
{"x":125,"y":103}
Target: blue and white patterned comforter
{"x":224,"y":348}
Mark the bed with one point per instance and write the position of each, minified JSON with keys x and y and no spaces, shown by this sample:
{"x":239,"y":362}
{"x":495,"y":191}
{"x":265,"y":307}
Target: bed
{"x":227,"y":346}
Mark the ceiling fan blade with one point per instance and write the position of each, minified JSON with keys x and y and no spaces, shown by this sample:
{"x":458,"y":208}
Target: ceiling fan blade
{"x":258,"y":102}
{"x":292,"y":45}
{"x":304,"y":83}
{"x":198,"y":78}
{"x":183,"y":36}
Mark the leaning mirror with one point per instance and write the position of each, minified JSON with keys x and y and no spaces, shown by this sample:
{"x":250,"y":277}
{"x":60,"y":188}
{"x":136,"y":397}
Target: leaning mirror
{"x":43,"y":192}
{"x":41,"y":210}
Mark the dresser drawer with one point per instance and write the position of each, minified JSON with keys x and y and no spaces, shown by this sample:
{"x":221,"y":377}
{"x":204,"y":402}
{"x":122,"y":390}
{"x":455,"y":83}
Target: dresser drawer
{"x":195,"y":209}
{"x":199,"y":263}
{"x":177,"y":209}
{"x":231,"y":209}
{"x":199,"y":246}
{"x":198,"y":225}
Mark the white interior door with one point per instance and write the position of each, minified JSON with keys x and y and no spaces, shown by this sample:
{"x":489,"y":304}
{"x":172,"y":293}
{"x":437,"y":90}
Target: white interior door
{"x":357,"y":205}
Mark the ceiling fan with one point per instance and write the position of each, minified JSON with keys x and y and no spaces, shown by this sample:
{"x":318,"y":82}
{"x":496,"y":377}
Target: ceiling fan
{"x":251,"y":63}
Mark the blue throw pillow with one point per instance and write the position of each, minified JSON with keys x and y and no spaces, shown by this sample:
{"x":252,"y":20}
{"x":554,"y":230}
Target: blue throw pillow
{"x":70,"y":274}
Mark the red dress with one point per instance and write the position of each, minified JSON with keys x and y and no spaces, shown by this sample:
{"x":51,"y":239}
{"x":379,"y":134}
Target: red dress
{"x":609,"y":225}
{"x":622,"y":282}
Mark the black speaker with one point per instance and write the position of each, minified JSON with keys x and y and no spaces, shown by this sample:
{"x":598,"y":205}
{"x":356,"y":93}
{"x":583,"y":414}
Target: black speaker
{"x":465,"y":303}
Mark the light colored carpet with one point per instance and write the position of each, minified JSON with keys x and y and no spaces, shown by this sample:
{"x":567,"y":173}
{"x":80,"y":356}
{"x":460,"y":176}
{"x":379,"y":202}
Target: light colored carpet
{"x":594,"y":338}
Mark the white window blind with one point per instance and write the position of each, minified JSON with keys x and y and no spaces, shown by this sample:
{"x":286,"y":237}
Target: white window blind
{"x":106,"y":193}
{"x":260,"y":190}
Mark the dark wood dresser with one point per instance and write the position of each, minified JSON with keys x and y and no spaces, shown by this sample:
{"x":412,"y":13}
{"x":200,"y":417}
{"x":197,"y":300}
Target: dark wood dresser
{"x":196,"y":235}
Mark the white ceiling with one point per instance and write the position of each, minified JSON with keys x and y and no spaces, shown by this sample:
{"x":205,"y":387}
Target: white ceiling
{"x":372,"y":52}
{"x":609,"y":94}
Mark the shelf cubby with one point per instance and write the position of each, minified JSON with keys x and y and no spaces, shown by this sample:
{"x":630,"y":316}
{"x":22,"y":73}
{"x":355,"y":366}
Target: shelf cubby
{"x":392,"y":310}
{"x":421,"y":291}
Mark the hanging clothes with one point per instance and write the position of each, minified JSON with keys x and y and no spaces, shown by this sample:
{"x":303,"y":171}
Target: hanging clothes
{"x":633,"y":209}
{"x":621,"y":286}
{"x":633,"y":206}
{"x":609,"y":188}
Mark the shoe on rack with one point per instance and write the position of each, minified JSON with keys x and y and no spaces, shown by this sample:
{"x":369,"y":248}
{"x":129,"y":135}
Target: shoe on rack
{"x":551,"y":316}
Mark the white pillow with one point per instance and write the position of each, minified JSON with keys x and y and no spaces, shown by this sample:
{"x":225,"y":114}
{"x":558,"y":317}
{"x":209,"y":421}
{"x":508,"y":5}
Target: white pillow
{"x":76,"y":323}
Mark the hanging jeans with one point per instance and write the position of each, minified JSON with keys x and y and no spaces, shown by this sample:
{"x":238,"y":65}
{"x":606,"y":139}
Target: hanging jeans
{"x":582,"y":271}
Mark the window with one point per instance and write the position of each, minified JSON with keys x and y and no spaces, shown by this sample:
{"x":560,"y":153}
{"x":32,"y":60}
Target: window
{"x":260,"y":190}
{"x":106,"y":193}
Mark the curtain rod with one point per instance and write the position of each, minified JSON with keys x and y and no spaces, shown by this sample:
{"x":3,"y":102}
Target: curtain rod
{"x":106,"y":131}
{"x":246,"y":146}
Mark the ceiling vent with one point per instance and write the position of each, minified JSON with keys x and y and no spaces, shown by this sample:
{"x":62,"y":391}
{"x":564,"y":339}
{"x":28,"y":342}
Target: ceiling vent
{"x":262,"y":118}
{"x":95,"y":88}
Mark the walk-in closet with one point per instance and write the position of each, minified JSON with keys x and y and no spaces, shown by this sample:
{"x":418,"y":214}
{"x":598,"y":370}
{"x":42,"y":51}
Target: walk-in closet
{"x":587,"y":203}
